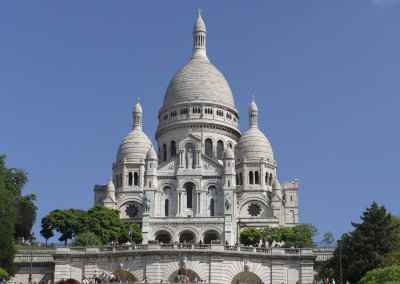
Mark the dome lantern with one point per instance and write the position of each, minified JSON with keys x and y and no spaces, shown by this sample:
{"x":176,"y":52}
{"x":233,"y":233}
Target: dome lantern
{"x":137,"y":115}
{"x":253,"y":113}
{"x":199,"y":38}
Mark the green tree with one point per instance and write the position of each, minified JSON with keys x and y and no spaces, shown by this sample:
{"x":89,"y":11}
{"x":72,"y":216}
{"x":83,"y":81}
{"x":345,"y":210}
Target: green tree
{"x":47,"y":228}
{"x":3,"y":274}
{"x":365,"y":248}
{"x":328,"y":238}
{"x":136,"y":232}
{"x":11,"y":183}
{"x":390,"y":274}
{"x":66,"y":222}
{"x":86,"y":239}
{"x":302,"y":236}
{"x":250,"y":236}
{"x":271,"y":234}
{"x":391,"y":258}
{"x":26,"y":216}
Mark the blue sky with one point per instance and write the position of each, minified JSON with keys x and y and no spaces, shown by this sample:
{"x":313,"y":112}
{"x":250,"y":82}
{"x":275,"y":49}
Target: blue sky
{"x":325,"y":76}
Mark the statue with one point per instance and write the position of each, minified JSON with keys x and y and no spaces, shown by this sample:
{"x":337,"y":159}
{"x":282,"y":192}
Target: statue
{"x":184,"y":264}
{"x":246,"y":266}
{"x":228,"y":202}
{"x":147,"y":203}
{"x":189,"y":158}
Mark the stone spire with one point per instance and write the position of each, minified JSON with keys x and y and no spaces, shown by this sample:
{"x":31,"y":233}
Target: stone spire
{"x":137,"y":115}
{"x":199,"y":38}
{"x":253,"y":113}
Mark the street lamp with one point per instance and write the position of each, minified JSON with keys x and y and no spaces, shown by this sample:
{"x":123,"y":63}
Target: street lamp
{"x":339,"y":242}
{"x":32,"y":240}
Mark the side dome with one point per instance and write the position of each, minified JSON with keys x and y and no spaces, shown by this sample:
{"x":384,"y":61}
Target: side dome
{"x":253,"y":145}
{"x":228,"y":153}
{"x":136,"y":144}
{"x":134,"y":147}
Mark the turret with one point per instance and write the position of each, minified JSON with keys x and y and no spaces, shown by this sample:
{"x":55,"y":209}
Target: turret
{"x":229,"y":168}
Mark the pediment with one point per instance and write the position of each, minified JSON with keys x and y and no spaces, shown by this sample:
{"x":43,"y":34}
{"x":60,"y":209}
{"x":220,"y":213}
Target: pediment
{"x":169,"y":165}
{"x":211,"y":166}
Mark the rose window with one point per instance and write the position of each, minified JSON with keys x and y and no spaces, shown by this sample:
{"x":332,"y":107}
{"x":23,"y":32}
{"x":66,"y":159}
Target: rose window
{"x":131,"y":211}
{"x":254,"y":210}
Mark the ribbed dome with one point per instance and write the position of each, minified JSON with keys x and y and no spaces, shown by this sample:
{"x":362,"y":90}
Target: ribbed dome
{"x":199,"y":80}
{"x":228,"y":153}
{"x":151,"y":154}
{"x":254,"y":145}
{"x":134,"y":147}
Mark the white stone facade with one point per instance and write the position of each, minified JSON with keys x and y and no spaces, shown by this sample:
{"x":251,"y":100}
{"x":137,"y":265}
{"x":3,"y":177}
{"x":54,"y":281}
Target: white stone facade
{"x":207,"y":181}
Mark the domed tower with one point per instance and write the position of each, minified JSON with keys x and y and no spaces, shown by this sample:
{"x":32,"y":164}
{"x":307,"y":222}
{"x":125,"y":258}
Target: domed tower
{"x":129,"y":169}
{"x":199,"y":103}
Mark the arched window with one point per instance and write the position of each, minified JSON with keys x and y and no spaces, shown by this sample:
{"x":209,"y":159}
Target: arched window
{"x":212,"y":207}
{"x":130,"y":178}
{"x":120,"y":180}
{"x":229,"y":183}
{"x":166,"y":207}
{"x":209,"y":147}
{"x":135,"y":179}
{"x":173,"y":148}
{"x":241,"y":179}
{"x":266,"y":178}
{"x":251,"y":178}
{"x":237,"y":179}
{"x":165,"y":152}
{"x":256,"y":177}
{"x":230,"y":145}
{"x":270,"y":179}
{"x":220,"y":149}
{"x":189,"y":195}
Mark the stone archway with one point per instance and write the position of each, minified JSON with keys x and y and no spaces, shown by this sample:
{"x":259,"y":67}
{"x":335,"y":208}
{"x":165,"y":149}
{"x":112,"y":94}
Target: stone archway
{"x":246,"y":277}
{"x":163,"y":237}
{"x":184,"y":276}
{"x":211,"y":237}
{"x":187,"y":236}
{"x":125,"y":276}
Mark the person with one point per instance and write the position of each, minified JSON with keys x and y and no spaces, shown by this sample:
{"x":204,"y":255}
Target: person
{"x":2,"y":281}
{"x":85,"y":281}
{"x":333,"y":281}
{"x":226,"y":242}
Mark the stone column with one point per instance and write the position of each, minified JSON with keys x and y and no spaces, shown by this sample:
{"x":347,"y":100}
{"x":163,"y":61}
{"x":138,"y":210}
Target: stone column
{"x":198,"y":159}
{"x":145,"y":227}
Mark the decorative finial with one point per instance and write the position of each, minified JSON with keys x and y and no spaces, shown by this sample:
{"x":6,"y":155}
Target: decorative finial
{"x":199,"y":10}
{"x":137,"y":100}
{"x":252,"y":98}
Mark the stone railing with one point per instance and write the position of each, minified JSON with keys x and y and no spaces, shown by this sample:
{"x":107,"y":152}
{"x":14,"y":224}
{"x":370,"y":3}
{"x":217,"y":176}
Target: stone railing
{"x":185,"y":247}
{"x":323,"y":254}
{"x":25,"y":256}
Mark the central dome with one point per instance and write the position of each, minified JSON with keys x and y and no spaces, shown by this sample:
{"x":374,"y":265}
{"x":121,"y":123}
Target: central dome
{"x":199,"y":80}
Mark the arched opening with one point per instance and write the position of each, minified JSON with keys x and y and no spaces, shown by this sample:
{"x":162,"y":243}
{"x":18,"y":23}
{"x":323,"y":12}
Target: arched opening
{"x":246,"y":277}
{"x":125,"y":276}
{"x":266,"y":178}
{"x":135,"y":179}
{"x":270,"y":179}
{"x":166,"y":207}
{"x":120,"y":180}
{"x":211,"y":237}
{"x":230,"y":145}
{"x":130,"y":179}
{"x":212,"y":207}
{"x":256,"y":177}
{"x":184,"y":276}
{"x":251,"y":178}
{"x":173,"y":148}
{"x":220,"y":149}
{"x":165,"y":152}
{"x":187,"y":237}
{"x":209,"y":147}
{"x":163,"y":237}
{"x":241,"y":179}
{"x":189,"y":194}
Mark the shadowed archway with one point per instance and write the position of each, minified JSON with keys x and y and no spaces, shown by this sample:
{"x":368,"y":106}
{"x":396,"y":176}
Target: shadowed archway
{"x":125,"y":276}
{"x":211,"y":237}
{"x":187,"y":236}
{"x":184,"y":276}
{"x":163,"y":237}
{"x":246,"y":277}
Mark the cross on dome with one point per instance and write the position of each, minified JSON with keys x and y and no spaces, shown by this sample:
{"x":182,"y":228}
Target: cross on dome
{"x":199,"y":10}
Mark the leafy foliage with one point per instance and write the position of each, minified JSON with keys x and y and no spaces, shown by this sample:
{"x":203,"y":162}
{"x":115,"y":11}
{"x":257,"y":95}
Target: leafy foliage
{"x":250,"y":236}
{"x":328,"y":238}
{"x":382,"y":275}
{"x":101,"y":221}
{"x":3,"y":274}
{"x":365,"y":248}
{"x":392,"y":258}
{"x":14,"y":209}
{"x":299,"y":236}
{"x":86,"y":239}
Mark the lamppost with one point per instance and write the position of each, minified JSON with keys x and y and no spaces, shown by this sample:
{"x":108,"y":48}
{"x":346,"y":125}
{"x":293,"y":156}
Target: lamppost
{"x":32,"y":240}
{"x":339,"y":242}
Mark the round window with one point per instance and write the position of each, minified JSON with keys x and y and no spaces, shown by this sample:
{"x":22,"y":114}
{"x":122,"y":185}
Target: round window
{"x":254,"y":209}
{"x":131,"y":211}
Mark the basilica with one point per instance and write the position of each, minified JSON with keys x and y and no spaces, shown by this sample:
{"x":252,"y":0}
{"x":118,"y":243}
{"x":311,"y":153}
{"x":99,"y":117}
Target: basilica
{"x":204,"y":181}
